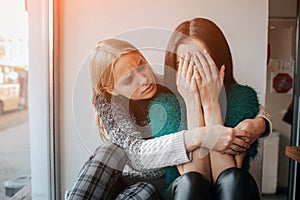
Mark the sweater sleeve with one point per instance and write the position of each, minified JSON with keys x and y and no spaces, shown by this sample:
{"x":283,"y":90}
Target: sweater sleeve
{"x":143,"y":154}
{"x":267,"y":117}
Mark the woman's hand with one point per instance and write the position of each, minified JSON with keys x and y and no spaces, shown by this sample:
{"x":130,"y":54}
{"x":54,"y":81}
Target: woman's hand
{"x":211,"y":79}
{"x":255,"y":127}
{"x":226,"y":140}
{"x":209,"y":84}
{"x":185,"y":84}
{"x":188,"y":90}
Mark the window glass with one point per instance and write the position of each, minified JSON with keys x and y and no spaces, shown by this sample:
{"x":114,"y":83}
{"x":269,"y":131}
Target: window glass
{"x":14,"y":128}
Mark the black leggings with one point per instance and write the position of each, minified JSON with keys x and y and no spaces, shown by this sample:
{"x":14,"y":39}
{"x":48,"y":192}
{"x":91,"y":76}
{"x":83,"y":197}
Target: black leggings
{"x":232,"y":184}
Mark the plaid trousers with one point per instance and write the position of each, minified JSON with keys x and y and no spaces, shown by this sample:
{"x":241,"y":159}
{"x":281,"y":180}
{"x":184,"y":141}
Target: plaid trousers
{"x":100,"y":178}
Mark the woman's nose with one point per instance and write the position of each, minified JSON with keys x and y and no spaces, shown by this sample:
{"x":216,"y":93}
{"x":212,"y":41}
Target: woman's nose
{"x":142,"y":78}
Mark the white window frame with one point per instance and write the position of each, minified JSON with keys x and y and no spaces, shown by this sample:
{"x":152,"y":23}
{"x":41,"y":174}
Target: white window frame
{"x":43,"y":100}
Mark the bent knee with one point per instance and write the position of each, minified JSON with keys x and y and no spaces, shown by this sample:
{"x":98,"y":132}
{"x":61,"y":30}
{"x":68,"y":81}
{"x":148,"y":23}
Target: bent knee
{"x":236,"y":183}
{"x":110,"y":155}
{"x":235,"y":176}
{"x":194,"y":180}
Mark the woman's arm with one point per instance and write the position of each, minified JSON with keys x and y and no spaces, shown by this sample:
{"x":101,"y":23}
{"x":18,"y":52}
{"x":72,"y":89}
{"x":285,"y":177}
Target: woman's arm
{"x":186,"y":85}
{"x":242,"y":103}
{"x":189,"y":84}
{"x":148,"y":154}
{"x":258,"y":127}
{"x":143,"y":154}
{"x":187,"y":88}
{"x":267,"y":122}
{"x":210,"y":88}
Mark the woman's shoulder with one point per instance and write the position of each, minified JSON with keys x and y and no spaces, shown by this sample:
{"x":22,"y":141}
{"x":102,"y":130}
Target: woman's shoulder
{"x":239,"y":88}
{"x":243,"y":93}
{"x":164,"y":104}
{"x":101,"y":102}
{"x":167,"y":99}
{"x":106,"y":105}
{"x":165,"y":114}
{"x":242,"y":97}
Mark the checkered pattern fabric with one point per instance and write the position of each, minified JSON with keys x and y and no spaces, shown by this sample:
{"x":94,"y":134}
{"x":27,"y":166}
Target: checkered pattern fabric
{"x":100,"y":178}
{"x":139,"y":191}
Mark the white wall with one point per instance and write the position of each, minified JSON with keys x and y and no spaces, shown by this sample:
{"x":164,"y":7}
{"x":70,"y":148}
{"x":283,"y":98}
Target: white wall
{"x":83,"y":23}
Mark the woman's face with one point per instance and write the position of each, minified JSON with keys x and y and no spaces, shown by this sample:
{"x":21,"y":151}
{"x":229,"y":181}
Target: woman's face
{"x":134,"y":77}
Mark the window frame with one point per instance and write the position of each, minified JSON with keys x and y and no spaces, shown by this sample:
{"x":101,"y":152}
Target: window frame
{"x":43,"y":98}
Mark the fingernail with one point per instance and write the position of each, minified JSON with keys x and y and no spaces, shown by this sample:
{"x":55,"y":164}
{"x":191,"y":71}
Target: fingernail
{"x":205,"y":51}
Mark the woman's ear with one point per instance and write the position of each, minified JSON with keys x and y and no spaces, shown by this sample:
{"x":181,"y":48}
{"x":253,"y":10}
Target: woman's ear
{"x":110,"y":91}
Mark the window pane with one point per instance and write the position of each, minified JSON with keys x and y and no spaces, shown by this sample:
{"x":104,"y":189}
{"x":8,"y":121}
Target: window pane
{"x":14,"y":128}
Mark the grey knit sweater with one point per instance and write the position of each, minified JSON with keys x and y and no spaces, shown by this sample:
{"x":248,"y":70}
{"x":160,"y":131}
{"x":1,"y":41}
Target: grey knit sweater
{"x":145,"y":154}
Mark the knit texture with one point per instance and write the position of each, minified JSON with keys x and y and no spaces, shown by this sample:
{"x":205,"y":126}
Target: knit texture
{"x":148,"y":156}
{"x":167,"y":115}
{"x":242,"y":103}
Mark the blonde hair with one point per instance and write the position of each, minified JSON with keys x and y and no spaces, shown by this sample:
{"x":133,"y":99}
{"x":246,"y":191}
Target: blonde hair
{"x":103,"y":58}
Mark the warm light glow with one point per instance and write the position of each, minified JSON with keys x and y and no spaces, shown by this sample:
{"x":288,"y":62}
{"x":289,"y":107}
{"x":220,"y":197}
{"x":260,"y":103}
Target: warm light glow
{"x":13,"y":32}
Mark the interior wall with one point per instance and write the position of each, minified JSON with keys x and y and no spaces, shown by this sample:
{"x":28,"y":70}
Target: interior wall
{"x":283,"y":8}
{"x":83,"y":23}
{"x":282,"y":36}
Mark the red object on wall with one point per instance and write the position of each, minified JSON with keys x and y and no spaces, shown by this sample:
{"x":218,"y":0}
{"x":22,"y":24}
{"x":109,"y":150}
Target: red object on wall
{"x":282,"y":82}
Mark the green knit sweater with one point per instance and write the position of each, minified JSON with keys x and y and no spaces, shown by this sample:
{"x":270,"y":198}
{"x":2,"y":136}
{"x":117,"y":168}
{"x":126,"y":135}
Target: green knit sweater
{"x":167,"y":114}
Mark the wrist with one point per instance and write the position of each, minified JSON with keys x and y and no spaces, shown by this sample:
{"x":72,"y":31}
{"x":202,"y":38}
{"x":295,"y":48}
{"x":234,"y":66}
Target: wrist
{"x":192,"y":100}
{"x":212,"y":114}
{"x":261,"y":122}
{"x":211,"y":105}
{"x":194,"y":138}
{"x":193,"y":106}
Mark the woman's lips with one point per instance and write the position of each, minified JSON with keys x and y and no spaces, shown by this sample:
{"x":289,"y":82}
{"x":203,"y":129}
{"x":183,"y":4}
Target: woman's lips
{"x":148,"y":89}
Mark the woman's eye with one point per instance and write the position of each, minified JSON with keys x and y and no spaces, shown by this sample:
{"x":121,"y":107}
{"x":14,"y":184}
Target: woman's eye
{"x":140,"y":68}
{"x":127,"y":81}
